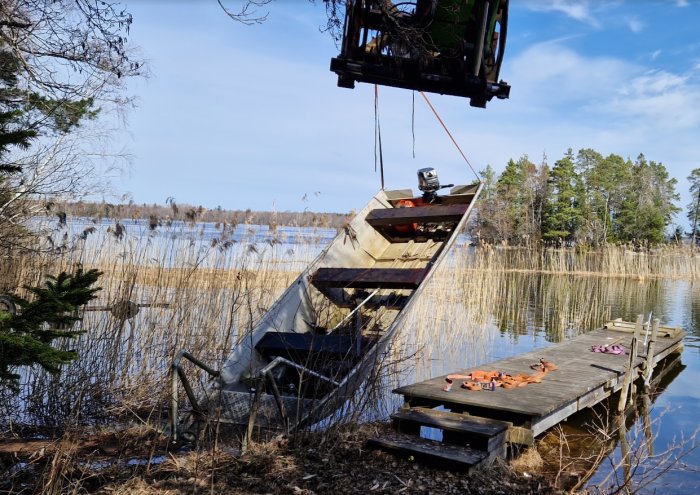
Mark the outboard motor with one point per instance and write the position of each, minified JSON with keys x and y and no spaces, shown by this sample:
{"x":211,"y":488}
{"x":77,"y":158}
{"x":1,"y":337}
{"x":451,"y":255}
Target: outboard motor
{"x":429,"y":183}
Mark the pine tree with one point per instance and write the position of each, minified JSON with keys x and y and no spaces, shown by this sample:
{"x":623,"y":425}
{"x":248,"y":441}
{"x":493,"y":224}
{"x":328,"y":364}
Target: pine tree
{"x":608,"y":182}
{"x":26,"y":336}
{"x":587,"y":161}
{"x":562,"y":213}
{"x":648,"y":208}
{"x":500,"y":214}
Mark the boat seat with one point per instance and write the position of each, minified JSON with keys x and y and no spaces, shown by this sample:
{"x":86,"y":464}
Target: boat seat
{"x":368,"y":278}
{"x":417,"y":214}
{"x":304,"y":347}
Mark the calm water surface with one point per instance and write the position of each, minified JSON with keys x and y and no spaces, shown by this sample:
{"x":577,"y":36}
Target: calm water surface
{"x":524,"y":312}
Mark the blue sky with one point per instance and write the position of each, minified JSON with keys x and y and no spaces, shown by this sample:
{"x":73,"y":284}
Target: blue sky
{"x":250,"y":116}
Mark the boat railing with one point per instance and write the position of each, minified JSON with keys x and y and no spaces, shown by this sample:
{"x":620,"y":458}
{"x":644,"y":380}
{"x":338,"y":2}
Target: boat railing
{"x":266,"y":375}
{"x":178,"y":372}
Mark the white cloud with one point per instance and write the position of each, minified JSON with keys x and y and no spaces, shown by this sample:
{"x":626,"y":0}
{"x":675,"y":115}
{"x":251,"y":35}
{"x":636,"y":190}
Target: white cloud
{"x":667,"y":100}
{"x":635,"y":25}
{"x":682,"y":3}
{"x":655,"y":54}
{"x":575,"y":9}
{"x":551,"y":76}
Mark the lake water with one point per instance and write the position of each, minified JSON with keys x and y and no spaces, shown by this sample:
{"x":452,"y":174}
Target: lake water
{"x":522,"y":312}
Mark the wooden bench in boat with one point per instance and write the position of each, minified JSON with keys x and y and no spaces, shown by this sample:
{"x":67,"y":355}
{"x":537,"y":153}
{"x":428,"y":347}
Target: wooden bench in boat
{"x":300,"y":347}
{"x":368,"y":278}
{"x":418,"y":214}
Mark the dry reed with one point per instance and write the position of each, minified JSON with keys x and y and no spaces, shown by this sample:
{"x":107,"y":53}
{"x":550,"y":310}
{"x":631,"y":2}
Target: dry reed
{"x":199,"y":291}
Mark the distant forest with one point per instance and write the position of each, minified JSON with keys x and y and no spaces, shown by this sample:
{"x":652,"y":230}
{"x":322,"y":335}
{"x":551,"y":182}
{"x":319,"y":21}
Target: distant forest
{"x":160,"y":215}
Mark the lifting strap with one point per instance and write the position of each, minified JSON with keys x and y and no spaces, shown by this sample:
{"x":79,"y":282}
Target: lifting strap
{"x":449,"y":134}
{"x":378,"y":136}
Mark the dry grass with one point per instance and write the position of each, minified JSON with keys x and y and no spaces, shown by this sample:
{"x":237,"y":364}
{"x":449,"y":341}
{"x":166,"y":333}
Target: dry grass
{"x":337,"y":462}
{"x":666,"y":262}
{"x":529,"y":461}
{"x":204,"y":293}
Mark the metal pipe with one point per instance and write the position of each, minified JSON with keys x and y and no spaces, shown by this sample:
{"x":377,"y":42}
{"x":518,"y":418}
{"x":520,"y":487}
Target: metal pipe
{"x":177,"y":372}
{"x":279,"y":401}
{"x":280,"y":359}
{"x":174,"y":397}
{"x":201,"y":364}
{"x":349,"y":315}
{"x":188,"y":391}
{"x":253,"y":412}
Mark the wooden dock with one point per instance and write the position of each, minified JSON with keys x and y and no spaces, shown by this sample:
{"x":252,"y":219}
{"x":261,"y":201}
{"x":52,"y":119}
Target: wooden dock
{"x":482,"y":422}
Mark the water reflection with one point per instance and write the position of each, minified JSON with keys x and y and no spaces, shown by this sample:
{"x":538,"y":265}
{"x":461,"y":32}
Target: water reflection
{"x":503,"y":314}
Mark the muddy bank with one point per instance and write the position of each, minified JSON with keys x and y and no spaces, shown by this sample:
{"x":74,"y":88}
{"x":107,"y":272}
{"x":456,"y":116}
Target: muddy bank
{"x":139,"y":460}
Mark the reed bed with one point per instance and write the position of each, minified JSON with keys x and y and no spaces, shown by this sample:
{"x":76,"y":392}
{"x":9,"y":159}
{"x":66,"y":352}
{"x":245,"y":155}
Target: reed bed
{"x":668,"y":262}
{"x":202,"y":288}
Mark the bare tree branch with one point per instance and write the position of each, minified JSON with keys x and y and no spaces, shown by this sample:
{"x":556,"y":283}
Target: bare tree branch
{"x":248,"y":13}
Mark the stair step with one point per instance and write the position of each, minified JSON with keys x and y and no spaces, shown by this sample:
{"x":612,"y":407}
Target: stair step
{"x":368,"y":278}
{"x":417,"y":214}
{"x":431,"y":451}
{"x":481,"y":433}
{"x":451,"y":421}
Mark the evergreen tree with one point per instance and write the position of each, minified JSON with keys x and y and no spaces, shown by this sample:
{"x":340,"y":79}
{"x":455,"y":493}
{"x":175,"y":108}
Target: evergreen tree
{"x":489,"y":179}
{"x":648,"y":208}
{"x":608,"y":182}
{"x":26,"y":336}
{"x":587,"y":161}
{"x":503,"y":215}
{"x":694,"y":205}
{"x":12,"y":133}
{"x":562,"y":214}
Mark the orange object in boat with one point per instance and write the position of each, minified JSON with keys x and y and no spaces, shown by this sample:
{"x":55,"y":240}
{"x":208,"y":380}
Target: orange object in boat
{"x":406,"y":228}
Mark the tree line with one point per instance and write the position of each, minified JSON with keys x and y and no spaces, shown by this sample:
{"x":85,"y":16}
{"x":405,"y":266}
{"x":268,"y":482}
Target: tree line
{"x":585,"y":198}
{"x":164,"y":215}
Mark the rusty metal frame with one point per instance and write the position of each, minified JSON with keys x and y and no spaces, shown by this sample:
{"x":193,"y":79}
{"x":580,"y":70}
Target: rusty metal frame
{"x":178,"y":372}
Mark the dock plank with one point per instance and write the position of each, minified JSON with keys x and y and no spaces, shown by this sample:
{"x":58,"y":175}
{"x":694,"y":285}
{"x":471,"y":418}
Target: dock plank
{"x":432,"y":450}
{"x":451,"y":421}
{"x":583,"y":376}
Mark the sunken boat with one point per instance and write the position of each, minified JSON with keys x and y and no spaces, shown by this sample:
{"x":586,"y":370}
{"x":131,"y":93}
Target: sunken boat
{"x":320,"y":340}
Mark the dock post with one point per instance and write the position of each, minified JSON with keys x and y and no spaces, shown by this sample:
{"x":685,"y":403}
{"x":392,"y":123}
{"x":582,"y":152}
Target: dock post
{"x":625,"y":459}
{"x":627,"y":382}
{"x":649,"y":359}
